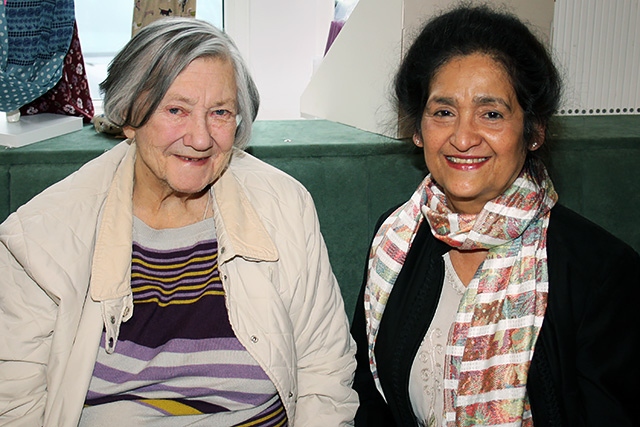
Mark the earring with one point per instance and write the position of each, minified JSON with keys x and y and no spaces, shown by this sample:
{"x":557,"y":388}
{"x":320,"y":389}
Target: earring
{"x":534,"y":145}
{"x":416,"y":140}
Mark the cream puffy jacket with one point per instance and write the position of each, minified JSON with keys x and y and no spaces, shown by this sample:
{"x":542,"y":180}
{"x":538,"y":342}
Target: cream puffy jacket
{"x":65,"y":274}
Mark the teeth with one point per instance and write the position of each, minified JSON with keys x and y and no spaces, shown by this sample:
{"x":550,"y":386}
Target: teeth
{"x":466,"y":161}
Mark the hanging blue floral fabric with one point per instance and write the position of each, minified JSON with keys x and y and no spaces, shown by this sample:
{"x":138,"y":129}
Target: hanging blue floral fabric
{"x":34,"y":39}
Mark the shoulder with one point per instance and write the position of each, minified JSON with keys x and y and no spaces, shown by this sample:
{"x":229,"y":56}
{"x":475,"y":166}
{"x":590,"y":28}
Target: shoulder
{"x":578,"y":239}
{"x":89,"y":184}
{"x":261,"y":180}
{"x":587,"y":263}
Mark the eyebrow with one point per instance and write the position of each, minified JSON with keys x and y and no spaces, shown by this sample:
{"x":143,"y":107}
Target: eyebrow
{"x":489,"y":100}
{"x":191,"y":101}
{"x":478,"y":100}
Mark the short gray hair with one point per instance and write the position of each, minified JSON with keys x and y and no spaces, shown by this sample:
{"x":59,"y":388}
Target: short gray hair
{"x":142,"y":72}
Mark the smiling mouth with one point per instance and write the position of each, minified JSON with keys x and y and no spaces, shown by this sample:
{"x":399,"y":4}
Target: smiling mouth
{"x":191,"y":159}
{"x":466,"y":161}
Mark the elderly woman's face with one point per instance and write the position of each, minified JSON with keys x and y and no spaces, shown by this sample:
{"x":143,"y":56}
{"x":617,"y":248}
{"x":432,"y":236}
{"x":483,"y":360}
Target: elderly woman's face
{"x":472,"y":132}
{"x":187,"y":142}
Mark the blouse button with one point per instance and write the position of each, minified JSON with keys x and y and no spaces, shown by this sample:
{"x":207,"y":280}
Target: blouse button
{"x":254,"y":339}
{"x":113,"y":320}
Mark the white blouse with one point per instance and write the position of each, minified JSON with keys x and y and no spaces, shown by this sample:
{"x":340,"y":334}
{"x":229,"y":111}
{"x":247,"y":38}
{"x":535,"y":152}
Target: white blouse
{"x":427,"y":372}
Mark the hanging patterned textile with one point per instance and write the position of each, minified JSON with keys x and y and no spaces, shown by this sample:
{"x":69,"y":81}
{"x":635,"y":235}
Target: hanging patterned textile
{"x":147,"y":11}
{"x":70,"y":96}
{"x":35,"y":36}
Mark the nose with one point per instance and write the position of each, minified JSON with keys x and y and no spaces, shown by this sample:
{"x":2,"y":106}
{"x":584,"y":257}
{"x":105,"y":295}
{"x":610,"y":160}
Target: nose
{"x":465,"y":135}
{"x":199,"y":135}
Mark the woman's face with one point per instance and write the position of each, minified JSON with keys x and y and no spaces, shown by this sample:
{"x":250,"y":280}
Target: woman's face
{"x":187,"y":142}
{"x":472,"y":132}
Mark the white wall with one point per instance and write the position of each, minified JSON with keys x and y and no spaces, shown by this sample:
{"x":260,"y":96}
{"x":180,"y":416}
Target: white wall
{"x":281,"y":40}
{"x":353,"y":83}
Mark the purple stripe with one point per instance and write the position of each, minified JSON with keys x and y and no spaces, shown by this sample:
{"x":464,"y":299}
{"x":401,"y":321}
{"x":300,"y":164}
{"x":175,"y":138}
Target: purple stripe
{"x":202,"y":393}
{"x":174,"y":254}
{"x":128,"y":348}
{"x":213,"y":370}
{"x":277,"y":413}
{"x":181,"y":284}
{"x":175,"y":296}
{"x":195,"y":267}
{"x":203,"y":277}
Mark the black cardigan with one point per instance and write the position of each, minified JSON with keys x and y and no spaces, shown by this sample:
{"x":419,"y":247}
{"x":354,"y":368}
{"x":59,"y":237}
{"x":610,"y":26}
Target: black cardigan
{"x":583,"y":370}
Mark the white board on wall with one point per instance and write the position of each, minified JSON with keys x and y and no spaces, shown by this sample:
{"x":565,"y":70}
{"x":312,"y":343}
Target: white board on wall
{"x":352,"y":85}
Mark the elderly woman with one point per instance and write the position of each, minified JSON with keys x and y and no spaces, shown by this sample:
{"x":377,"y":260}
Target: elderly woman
{"x":175,"y":280}
{"x":485,"y":302}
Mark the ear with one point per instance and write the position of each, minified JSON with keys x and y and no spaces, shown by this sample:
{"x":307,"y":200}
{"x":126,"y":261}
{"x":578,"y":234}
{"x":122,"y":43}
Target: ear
{"x":538,"y":138}
{"x":417,"y":140}
{"x":129,"y":132}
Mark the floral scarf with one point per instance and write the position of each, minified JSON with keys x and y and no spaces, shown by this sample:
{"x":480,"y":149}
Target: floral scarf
{"x":491,"y":342}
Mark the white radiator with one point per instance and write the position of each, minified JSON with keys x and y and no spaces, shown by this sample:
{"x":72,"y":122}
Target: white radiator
{"x":597,"y":47}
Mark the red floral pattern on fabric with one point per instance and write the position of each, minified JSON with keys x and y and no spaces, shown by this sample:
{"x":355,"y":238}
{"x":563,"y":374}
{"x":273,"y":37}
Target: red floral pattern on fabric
{"x":70,"y":96}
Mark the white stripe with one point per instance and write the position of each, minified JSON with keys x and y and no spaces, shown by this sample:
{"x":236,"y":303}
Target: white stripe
{"x":456,"y":351}
{"x":450,"y":384}
{"x":502,"y":394}
{"x":464,"y":317}
{"x":503,"y":359}
{"x":473,"y":235}
{"x":388,"y":262}
{"x":511,"y":290}
{"x":451,"y":417}
{"x":166,"y":359}
{"x":454,"y":226}
{"x":510,"y":211}
{"x":498,"y":263}
{"x":502,"y":325}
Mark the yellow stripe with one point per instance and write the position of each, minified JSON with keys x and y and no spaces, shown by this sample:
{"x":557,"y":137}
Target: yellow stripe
{"x":138,"y":289}
{"x":139,"y":261}
{"x":171,"y":406}
{"x":178,"y":302}
{"x":173,"y":278}
{"x":265,"y":418}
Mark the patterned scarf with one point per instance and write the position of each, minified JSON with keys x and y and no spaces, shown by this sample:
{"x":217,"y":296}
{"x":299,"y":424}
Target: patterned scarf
{"x":492,"y":340}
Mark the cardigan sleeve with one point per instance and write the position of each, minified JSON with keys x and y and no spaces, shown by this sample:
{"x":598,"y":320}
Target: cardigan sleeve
{"x":606,"y":365}
{"x":590,"y":327}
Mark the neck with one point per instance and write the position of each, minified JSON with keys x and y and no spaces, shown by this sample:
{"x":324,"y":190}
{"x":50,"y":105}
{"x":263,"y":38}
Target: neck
{"x":466,"y":263}
{"x":171,"y":211}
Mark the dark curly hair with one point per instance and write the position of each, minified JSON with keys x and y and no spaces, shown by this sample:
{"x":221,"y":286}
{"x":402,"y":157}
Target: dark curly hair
{"x":465,"y":30}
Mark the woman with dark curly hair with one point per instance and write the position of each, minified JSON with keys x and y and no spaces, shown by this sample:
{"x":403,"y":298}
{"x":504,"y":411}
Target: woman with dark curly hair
{"x":485,"y":302}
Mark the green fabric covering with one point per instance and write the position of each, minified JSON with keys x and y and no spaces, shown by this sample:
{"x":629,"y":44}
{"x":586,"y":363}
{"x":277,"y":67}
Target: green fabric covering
{"x":354,"y":176}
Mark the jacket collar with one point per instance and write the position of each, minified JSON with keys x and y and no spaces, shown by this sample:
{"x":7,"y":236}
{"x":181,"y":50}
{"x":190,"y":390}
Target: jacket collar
{"x":240,"y":231}
{"x":111,"y":266}
{"x":238,"y":226}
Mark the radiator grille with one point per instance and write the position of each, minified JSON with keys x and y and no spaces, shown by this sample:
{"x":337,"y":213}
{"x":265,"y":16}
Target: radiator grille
{"x":597,"y":45}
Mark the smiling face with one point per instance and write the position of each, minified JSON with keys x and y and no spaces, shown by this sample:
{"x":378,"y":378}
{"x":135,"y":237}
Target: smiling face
{"x":472,"y":131}
{"x":187,"y":142}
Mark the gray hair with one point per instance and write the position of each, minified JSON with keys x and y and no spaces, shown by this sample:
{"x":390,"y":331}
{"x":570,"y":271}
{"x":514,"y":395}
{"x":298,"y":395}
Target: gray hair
{"x":142,"y":72}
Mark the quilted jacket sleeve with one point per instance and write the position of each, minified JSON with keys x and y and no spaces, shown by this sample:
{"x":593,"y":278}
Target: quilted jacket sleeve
{"x":27,"y":316}
{"x":325,"y":348}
